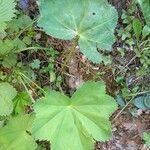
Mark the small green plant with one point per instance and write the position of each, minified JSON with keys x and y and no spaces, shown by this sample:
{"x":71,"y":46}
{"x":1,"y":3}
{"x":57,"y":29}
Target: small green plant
{"x":144,"y":53}
{"x":134,"y":39}
{"x":90,"y":24}
{"x":146,"y":138}
{"x":142,"y":102}
{"x":12,"y":43}
{"x":146,"y":12}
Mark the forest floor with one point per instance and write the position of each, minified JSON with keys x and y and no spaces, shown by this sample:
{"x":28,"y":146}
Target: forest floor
{"x":127,"y":129}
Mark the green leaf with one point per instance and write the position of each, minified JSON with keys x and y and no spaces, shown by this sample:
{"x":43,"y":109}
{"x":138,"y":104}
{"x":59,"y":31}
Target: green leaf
{"x":146,"y":137}
{"x":35,"y":64}
{"x":7,"y":10}
{"x":19,"y":44}
{"x":147,"y":101}
{"x":91,"y":22}
{"x":52,"y":76}
{"x":15,"y":134}
{"x":27,"y":40}
{"x":7,"y":94}
{"x":74,"y":121}
{"x":120,"y":100}
{"x":1,"y":124}
{"x":9,"y":61}
{"x":9,"y":46}
{"x":6,"y":47}
{"x":146,"y":31}
{"x":21,"y":101}
{"x":142,"y":102}
{"x":21,"y":22}
{"x":137,"y":27}
{"x":145,"y":6}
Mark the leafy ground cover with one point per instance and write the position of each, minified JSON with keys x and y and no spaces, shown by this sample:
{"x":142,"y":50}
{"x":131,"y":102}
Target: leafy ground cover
{"x":75,"y":74}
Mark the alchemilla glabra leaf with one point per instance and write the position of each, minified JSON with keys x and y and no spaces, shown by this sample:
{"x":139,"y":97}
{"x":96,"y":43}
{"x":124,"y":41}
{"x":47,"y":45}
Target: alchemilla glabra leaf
{"x":15,"y":135}
{"x":92,"y":22}
{"x":74,"y":123}
{"x":7,"y":10}
{"x":7,"y":94}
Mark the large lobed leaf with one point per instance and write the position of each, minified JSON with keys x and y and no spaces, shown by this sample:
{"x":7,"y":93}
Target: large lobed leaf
{"x":73,"y":123}
{"x":7,"y":94}
{"x":91,"y":21}
{"x":7,"y":10}
{"x":14,"y":136}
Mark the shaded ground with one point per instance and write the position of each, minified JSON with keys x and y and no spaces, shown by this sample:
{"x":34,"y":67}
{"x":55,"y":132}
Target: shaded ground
{"x":127,"y":133}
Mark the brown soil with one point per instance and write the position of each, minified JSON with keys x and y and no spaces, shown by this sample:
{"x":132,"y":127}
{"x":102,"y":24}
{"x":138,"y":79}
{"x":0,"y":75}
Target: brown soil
{"x":127,"y":133}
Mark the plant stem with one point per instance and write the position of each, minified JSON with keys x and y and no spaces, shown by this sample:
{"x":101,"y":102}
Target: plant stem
{"x":23,"y":75}
{"x":27,"y":90}
{"x":71,"y":53}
